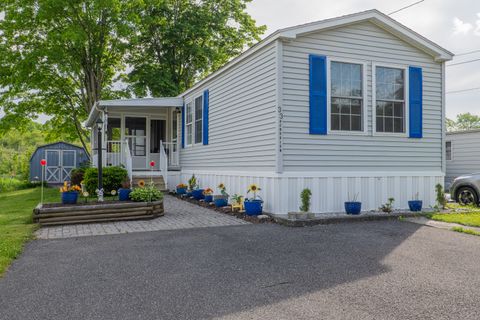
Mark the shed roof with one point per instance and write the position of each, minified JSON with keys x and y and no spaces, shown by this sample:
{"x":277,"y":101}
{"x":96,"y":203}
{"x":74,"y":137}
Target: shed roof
{"x":54,"y":143}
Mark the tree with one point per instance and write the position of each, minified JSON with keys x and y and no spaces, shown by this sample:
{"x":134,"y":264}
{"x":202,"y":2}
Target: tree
{"x":58,"y":57}
{"x":464,"y":121}
{"x":180,"y":41}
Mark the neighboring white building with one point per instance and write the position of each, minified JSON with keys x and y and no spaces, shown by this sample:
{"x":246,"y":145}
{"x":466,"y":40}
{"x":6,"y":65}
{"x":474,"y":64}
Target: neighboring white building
{"x":462,"y":153}
{"x":342,"y":106}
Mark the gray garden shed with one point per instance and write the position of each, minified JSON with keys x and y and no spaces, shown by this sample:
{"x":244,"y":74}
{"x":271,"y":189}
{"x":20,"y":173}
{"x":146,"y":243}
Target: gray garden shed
{"x":61,"y":158}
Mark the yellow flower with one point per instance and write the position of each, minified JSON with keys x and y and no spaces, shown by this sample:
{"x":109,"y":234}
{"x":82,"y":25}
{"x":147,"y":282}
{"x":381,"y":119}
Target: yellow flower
{"x":141,"y":183}
{"x":253,"y":188}
{"x":221,"y":186}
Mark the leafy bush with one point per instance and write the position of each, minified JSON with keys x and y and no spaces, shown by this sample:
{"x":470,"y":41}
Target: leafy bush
{"x":305,"y":196}
{"x":12,"y":184}
{"x":76,"y":176}
{"x":441,"y":200}
{"x":388,"y":207}
{"x":146,"y":194}
{"x":112,"y":179}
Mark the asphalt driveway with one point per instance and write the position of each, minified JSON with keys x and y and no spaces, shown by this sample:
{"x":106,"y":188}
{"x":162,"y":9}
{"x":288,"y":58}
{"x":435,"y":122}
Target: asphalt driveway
{"x":370,"y":270}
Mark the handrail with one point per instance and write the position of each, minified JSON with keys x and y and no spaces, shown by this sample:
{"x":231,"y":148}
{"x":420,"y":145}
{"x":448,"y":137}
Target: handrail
{"x":163,"y":163}
{"x":128,"y":161}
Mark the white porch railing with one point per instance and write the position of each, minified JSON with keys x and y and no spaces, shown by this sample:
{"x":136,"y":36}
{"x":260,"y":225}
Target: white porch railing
{"x":171,"y":148}
{"x":128,"y":160}
{"x":163,"y":163}
{"x":114,"y":153}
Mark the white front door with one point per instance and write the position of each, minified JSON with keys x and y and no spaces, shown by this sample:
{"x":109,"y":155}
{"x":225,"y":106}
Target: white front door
{"x":136,"y":134}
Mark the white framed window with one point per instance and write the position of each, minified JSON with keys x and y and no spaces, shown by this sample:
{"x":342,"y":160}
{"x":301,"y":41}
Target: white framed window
{"x":189,"y":123}
{"x":198,"y":119}
{"x":194,"y":121}
{"x":346,"y":96}
{"x":448,"y":151}
{"x":390,"y":99}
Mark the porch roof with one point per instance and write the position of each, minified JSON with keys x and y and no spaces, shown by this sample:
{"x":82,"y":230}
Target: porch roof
{"x":102,"y":105}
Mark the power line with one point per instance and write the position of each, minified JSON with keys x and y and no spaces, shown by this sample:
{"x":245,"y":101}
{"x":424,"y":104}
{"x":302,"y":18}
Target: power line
{"x":464,"y":90}
{"x":406,"y":7}
{"x":464,"y":62}
{"x":466,"y":53}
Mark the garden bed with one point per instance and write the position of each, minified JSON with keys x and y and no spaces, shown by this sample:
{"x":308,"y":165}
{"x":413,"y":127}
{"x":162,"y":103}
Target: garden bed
{"x":264,"y":218}
{"x":60,"y":214}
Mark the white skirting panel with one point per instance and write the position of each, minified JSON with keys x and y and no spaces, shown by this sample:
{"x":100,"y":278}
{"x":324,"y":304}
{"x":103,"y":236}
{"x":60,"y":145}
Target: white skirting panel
{"x":281,"y":192}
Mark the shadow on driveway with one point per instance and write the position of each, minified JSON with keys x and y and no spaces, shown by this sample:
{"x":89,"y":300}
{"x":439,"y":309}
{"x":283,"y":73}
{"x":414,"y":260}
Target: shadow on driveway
{"x":387,"y":270}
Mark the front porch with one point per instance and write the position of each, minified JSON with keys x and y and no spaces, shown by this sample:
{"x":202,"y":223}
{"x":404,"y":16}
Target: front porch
{"x":136,"y":132}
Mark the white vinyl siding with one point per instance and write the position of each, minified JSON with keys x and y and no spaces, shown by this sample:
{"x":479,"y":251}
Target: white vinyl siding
{"x":368,"y":44}
{"x":465,"y":154}
{"x":241,"y":118}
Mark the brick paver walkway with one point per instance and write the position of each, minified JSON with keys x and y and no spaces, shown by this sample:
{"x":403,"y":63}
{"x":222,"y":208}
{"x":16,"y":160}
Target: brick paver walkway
{"x":178,"y":215}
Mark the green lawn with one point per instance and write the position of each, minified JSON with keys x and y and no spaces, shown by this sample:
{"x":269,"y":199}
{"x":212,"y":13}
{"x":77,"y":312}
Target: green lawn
{"x":470,"y":217}
{"x":16,"y":225}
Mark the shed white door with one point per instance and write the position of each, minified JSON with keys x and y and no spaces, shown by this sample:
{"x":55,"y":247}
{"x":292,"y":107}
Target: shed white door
{"x":59,"y":165}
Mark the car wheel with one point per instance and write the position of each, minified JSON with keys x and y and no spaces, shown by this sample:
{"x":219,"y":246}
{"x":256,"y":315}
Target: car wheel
{"x":467,"y":196}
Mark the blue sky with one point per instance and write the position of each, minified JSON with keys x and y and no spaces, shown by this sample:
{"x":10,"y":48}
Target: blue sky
{"x":453,"y":24}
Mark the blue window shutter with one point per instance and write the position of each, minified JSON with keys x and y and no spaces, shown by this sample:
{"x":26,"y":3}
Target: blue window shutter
{"x":415,"y":101}
{"x":318,"y":94}
{"x":183,"y":126}
{"x":206,"y":96}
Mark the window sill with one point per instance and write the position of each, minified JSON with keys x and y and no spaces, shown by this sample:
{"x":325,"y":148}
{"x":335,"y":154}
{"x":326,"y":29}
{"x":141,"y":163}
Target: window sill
{"x":388,"y":134}
{"x":347,"y":133}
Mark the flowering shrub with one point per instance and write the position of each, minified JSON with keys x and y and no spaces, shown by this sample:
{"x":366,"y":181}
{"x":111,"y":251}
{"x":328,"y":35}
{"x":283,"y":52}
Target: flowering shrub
{"x":208,"y":191}
{"x":69,"y":188}
{"x":146,"y":194}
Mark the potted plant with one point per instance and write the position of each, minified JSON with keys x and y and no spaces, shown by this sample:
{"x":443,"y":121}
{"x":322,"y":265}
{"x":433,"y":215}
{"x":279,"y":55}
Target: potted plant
{"x":69,"y":193}
{"x":125,"y":190}
{"x":305,"y":196}
{"x":352,"y":206}
{"x":415,"y":205}
{"x":181,"y":188}
{"x":221,"y":200}
{"x":192,"y":185}
{"x":253,"y":206}
{"x":388,"y":207}
{"x":208,"y":195}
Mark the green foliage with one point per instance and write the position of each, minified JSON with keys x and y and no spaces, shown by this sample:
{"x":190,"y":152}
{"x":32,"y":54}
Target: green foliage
{"x":192,"y":183}
{"x":16,"y":147}
{"x":179,"y":41}
{"x":76,"y":176}
{"x":59,"y":57}
{"x":440,"y":197}
{"x":112,"y":179}
{"x":464,"y":121}
{"x":11,"y":184}
{"x":146,"y":194}
{"x":388,"y":207}
{"x":305,"y":197}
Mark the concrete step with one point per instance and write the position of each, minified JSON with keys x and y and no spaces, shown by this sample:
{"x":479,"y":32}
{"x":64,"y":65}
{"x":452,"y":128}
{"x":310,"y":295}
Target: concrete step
{"x":157,"y":180}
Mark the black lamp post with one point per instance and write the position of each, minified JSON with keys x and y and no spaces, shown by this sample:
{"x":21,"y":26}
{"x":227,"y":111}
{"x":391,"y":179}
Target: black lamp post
{"x":100,"y":161}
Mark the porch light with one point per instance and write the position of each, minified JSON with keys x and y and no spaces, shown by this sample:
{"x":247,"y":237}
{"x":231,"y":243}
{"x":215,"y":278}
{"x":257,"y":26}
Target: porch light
{"x":99,"y":123}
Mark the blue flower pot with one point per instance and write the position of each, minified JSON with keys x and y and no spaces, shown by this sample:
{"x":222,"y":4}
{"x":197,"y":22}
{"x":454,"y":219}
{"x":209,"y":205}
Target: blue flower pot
{"x":124,"y":194}
{"x":220,"y":203}
{"x":353,"y":207}
{"x":181,"y":191}
{"x":189,"y":193}
{"x":69,"y":197}
{"x":415,"y":205}
{"x":198,"y":194}
{"x":253,"y":207}
{"x":209,"y":198}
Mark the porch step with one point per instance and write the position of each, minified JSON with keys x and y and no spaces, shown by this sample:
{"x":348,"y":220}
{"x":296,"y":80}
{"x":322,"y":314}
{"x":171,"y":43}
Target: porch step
{"x":157,"y":180}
